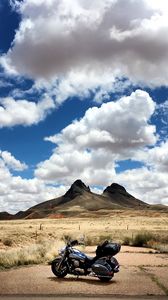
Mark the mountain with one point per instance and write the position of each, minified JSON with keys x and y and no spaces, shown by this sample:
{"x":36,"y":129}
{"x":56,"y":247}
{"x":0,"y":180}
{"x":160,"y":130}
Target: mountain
{"x":120,"y":196}
{"x":5,"y":216}
{"x":79,"y":200}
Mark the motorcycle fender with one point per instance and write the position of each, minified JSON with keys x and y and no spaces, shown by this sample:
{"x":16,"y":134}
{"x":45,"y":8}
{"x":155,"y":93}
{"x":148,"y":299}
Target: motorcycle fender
{"x":55,"y":260}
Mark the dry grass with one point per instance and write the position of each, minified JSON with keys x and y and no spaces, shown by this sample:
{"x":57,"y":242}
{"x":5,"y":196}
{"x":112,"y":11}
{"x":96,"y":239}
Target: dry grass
{"x":33,"y":254}
{"x":36,"y":241}
{"x":148,"y":239}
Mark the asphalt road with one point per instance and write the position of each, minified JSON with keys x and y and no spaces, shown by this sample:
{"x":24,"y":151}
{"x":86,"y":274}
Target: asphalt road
{"x":141,"y":275}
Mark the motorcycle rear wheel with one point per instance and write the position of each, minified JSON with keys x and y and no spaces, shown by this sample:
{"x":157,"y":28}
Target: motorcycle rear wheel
{"x":104,"y":279}
{"x":62,"y":272}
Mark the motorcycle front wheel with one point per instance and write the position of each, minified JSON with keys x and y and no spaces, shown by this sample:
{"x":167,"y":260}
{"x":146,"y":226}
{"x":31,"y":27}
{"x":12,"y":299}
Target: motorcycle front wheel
{"x":59,"y":271}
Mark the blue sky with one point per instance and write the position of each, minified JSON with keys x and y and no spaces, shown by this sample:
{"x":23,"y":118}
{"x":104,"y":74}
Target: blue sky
{"x":83,"y":94}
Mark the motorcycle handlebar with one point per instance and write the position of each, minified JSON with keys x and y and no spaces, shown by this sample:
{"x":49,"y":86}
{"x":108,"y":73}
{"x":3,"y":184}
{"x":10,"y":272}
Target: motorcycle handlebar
{"x":73,"y":243}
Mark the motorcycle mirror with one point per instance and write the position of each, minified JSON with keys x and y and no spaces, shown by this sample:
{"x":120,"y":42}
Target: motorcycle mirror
{"x":73,"y":243}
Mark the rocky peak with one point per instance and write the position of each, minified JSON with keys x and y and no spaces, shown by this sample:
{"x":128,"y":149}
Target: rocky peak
{"x":115,"y":188}
{"x":76,"y":189}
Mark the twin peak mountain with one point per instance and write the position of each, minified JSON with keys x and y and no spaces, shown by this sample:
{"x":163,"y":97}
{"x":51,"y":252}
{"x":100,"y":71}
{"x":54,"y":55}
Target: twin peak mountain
{"x":79,"y":200}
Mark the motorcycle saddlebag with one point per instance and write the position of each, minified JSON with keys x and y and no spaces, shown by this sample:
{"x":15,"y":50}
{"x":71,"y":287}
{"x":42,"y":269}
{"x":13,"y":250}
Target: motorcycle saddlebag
{"x":102,"y":268}
{"x":107,"y":249}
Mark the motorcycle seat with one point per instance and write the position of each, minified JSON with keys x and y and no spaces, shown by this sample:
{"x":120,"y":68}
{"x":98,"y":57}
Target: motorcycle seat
{"x":90,"y":259}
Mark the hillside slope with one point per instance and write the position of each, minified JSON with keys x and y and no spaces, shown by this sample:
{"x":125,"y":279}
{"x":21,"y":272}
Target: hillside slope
{"x":78,"y":200}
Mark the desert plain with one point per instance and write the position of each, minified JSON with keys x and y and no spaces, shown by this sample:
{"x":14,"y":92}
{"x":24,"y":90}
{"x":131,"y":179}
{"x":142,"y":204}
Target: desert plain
{"x":94,"y":227}
{"x":143,"y":271}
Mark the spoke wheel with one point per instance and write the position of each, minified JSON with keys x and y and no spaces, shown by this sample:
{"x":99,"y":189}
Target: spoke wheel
{"x":59,"y":271}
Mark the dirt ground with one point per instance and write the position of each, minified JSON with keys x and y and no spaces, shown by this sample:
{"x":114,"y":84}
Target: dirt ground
{"x":141,"y":273}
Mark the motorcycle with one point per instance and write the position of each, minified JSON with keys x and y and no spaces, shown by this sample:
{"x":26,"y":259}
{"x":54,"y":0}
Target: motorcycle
{"x":73,"y":261}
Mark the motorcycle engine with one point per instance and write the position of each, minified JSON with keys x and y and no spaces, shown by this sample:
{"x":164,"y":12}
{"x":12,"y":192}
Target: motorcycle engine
{"x":77,"y":269}
{"x":75,"y":263}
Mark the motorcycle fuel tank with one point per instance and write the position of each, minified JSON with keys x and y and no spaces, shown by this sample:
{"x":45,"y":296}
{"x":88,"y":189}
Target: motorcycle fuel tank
{"x":76,"y":254}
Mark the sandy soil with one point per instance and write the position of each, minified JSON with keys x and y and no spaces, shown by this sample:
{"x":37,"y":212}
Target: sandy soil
{"x":141,"y":273}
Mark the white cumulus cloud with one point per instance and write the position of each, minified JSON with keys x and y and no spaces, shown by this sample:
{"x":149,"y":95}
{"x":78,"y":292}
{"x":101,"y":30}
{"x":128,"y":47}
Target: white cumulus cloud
{"x":80,"y":48}
{"x":11,"y":162}
{"x":17,"y":193}
{"x":148,"y":185}
{"x":158,"y":157}
{"x":126,"y":37}
{"x":90,"y":147}
{"x":22,"y":112}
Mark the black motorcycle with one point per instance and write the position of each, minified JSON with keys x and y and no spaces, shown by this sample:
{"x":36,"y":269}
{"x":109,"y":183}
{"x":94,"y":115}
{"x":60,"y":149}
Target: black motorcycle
{"x":73,"y":261}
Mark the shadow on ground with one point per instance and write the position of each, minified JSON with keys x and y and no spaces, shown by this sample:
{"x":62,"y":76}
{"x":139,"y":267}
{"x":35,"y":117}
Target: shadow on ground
{"x":91,"y":281}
